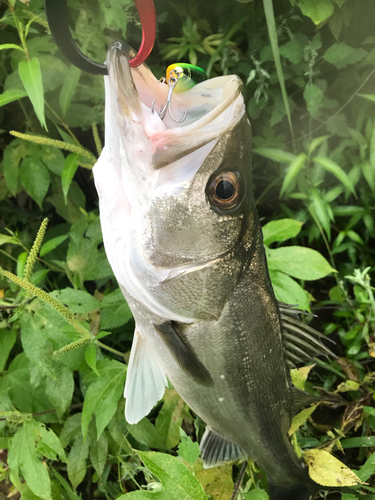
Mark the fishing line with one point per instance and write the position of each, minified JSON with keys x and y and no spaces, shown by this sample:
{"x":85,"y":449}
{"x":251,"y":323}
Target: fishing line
{"x":337,"y":112}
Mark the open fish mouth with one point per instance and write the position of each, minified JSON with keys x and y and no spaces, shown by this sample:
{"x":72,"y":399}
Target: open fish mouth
{"x":212,"y":108}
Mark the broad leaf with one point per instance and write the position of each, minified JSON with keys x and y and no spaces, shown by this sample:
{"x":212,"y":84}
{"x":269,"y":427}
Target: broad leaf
{"x":24,"y":457}
{"x":327,"y":470}
{"x":299,"y":262}
{"x":51,"y":244}
{"x":317,"y":10}
{"x":114,"y":311}
{"x":300,"y":419}
{"x":178,"y":482}
{"x":78,"y":301}
{"x":31,"y":77}
{"x":7,"y":341}
{"x":69,"y":87}
{"x":188,"y":449}
{"x":11,"y":95}
{"x":280,"y":230}
{"x":331,"y":166}
{"x":287,"y":290}
{"x":103,"y":395}
{"x":70,"y":168}
{"x":294,"y":169}
{"x":35,"y":178}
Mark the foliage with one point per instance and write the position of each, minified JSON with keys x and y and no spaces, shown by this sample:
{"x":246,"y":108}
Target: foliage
{"x":65,"y":329}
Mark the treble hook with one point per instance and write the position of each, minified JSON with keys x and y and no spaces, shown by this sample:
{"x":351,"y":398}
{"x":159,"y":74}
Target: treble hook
{"x":172,"y":82}
{"x":58,"y":20}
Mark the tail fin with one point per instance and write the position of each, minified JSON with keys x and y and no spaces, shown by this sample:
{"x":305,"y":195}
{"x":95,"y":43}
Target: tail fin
{"x":299,"y":492}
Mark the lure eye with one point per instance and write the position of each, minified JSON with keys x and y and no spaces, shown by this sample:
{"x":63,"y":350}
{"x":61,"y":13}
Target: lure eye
{"x":224,"y":190}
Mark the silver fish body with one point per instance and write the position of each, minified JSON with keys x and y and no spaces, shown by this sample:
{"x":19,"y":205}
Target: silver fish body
{"x":189,"y":257}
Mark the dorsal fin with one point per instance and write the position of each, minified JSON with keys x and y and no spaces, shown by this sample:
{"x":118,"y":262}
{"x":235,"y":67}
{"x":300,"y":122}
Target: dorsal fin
{"x":183,"y":354}
{"x":145,"y":381}
{"x":301,"y":342}
{"x":217,"y":450}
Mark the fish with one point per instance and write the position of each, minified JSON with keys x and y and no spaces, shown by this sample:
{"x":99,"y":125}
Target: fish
{"x":184,"y":240}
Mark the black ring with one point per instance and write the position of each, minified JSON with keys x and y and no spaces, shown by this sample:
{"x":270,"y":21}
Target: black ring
{"x":58,"y":20}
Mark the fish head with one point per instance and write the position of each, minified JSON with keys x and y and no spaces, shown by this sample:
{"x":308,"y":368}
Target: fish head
{"x":175,"y":193}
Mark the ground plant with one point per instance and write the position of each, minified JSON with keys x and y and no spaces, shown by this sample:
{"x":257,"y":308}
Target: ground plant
{"x":308,"y":68}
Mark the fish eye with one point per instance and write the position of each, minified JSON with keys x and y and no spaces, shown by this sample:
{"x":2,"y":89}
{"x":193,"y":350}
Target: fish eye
{"x":224,"y":190}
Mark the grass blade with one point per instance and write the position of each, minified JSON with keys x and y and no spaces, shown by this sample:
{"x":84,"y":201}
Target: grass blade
{"x":271,"y":25}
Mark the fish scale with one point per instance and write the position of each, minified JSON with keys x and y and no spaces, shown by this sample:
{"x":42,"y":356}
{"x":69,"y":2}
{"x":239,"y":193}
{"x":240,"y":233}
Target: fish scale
{"x":184,"y":240}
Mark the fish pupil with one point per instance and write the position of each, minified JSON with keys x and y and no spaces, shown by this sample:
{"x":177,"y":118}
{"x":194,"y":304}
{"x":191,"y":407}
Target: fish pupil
{"x":225,"y":189}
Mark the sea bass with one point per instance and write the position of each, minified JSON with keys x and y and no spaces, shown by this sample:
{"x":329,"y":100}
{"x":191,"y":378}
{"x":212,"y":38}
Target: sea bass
{"x":183,"y":237}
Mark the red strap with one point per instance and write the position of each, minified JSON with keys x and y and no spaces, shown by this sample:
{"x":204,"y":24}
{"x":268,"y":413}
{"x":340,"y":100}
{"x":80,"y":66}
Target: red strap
{"x":147,"y":16}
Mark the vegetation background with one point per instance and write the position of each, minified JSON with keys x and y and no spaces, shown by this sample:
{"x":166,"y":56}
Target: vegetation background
{"x":65,"y":330}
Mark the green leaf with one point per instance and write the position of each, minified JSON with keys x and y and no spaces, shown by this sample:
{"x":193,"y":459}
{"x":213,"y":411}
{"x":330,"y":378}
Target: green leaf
{"x":31,"y":77}
{"x":114,"y":311}
{"x":10,"y":46}
{"x":317,"y":10}
{"x":98,"y":454}
{"x":35,"y":178}
{"x":331,"y":166}
{"x":11,"y":95}
{"x":23,"y":457}
{"x":178,"y":482}
{"x":169,"y":420}
{"x":83,"y":257}
{"x":368,"y":469}
{"x":51,"y":244}
{"x":216,"y":481}
{"x":103,"y":395}
{"x":78,"y":301}
{"x":274,"y":154}
{"x":4,"y":239}
{"x":299,"y":376}
{"x":300,"y":419}
{"x":66,"y":486}
{"x":187,"y":449}
{"x":369,"y":97}
{"x":68,"y":88}
{"x":358,"y":442}
{"x":90,"y":356}
{"x":77,"y":461}
{"x":293,"y":50}
{"x":39,"y":276}
{"x":280,"y":230}
{"x":299,"y":262}
{"x":271,"y":26}
{"x":255,"y":494}
{"x":313,"y":96}
{"x":60,"y":390}
{"x":294,"y":169}
{"x":50,"y":445}
{"x":341,"y":55}
{"x":289,"y":291}
{"x":316,"y":143}
{"x":320,"y":208}
{"x":70,"y":168}
{"x":7,"y":341}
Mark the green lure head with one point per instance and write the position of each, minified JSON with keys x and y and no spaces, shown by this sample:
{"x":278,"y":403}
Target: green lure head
{"x":187,"y":75}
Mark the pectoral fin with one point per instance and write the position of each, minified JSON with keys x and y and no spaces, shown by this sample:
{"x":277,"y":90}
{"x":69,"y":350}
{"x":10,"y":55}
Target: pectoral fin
{"x":217,"y":450}
{"x":145,"y":381}
{"x":183,"y":354}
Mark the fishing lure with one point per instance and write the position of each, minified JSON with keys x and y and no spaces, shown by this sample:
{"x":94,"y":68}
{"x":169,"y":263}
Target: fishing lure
{"x":179,"y":77}
{"x":187,"y":75}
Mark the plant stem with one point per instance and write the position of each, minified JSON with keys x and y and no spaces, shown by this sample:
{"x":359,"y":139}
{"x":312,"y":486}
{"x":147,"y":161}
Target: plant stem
{"x":110,"y":349}
{"x":239,"y":481}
